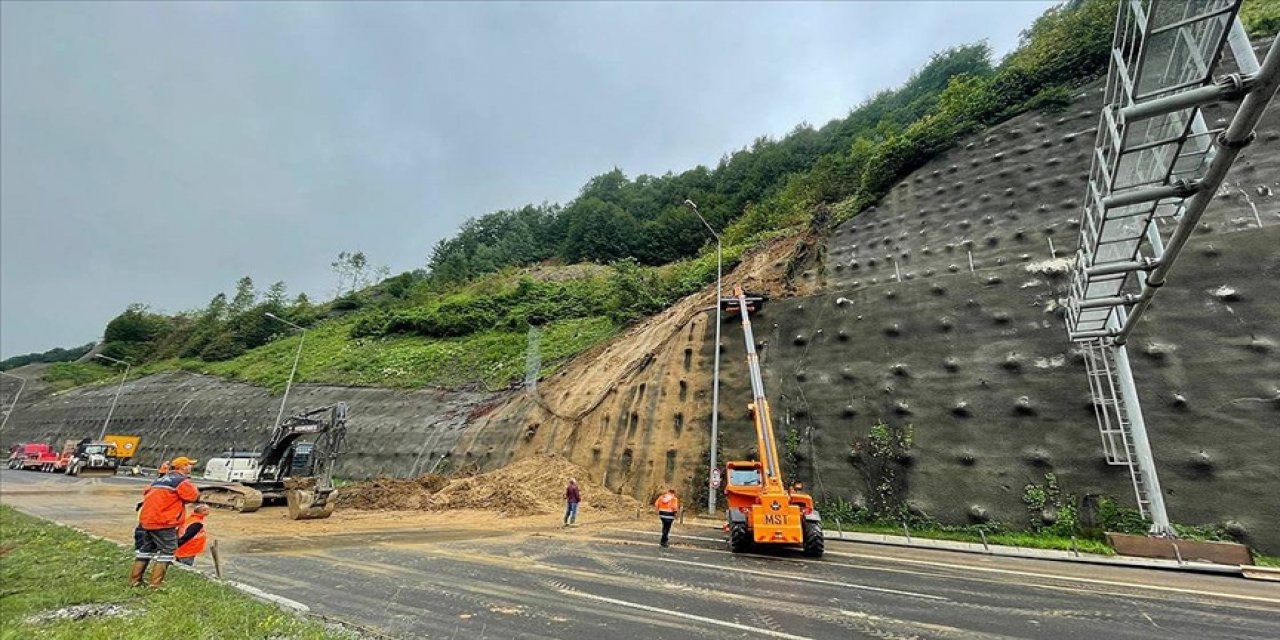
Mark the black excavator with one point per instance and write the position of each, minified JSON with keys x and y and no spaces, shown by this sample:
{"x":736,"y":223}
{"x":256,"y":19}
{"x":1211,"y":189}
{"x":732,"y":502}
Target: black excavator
{"x":299,"y":473}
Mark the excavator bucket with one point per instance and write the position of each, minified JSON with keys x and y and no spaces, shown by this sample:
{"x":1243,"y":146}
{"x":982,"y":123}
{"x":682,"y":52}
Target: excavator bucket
{"x":101,"y":472}
{"x":310,"y":504}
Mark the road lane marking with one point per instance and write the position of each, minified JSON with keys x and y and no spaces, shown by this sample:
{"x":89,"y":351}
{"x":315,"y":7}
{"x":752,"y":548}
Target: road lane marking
{"x":1050,"y":576}
{"x":1012,"y":572}
{"x":686,"y":616}
{"x":805,"y":579}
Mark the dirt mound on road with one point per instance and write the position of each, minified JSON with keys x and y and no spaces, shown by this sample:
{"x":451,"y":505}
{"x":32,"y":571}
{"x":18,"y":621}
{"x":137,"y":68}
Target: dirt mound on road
{"x":531,"y":486}
{"x":391,"y":494}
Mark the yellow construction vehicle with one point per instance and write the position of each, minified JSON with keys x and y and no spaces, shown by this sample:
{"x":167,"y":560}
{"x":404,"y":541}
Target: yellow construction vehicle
{"x":762,"y":511}
{"x":89,"y":459}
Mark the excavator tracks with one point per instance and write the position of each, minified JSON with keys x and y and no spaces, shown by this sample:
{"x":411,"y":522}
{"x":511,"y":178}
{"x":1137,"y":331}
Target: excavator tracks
{"x":231,"y":496}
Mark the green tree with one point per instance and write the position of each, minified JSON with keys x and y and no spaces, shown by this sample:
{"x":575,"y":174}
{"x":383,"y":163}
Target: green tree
{"x":599,"y":231}
{"x":277,"y":294}
{"x":244,"y":298}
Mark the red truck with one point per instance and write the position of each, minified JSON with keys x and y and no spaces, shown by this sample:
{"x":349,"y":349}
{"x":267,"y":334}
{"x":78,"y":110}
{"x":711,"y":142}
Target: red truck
{"x":34,"y":456}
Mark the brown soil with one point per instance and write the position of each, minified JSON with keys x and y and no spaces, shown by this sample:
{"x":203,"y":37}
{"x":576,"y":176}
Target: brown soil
{"x":531,"y":486}
{"x":384,"y":493}
{"x":653,"y":374}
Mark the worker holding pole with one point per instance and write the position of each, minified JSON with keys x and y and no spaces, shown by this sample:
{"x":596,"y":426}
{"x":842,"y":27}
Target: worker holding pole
{"x":163,"y":508}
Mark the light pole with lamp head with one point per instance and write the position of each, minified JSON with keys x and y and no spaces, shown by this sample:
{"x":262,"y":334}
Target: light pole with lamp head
{"x":118,"y":390}
{"x":296,"y":357}
{"x":715,"y":373}
{"x":12,"y":405}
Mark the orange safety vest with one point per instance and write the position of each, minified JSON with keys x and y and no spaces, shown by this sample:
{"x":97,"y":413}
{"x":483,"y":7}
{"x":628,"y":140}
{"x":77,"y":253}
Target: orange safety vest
{"x":194,"y":546}
{"x":164,"y":502}
{"x":667,"y":502}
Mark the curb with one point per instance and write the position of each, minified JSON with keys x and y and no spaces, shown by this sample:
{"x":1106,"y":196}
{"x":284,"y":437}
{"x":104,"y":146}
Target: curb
{"x":1057,"y":555}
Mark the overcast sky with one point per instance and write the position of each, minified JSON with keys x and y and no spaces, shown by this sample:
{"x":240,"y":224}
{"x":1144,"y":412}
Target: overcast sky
{"x":159,"y":152}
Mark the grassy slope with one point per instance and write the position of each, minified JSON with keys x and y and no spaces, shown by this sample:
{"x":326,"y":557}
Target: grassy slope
{"x":45,"y":567}
{"x":491,"y":359}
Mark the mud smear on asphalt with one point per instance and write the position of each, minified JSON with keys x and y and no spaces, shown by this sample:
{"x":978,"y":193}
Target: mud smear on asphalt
{"x":284,"y":544}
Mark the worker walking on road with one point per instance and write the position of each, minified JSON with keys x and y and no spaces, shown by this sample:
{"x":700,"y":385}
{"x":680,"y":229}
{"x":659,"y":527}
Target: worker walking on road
{"x":163,"y":507}
{"x":572,"y":496}
{"x":667,"y":505}
{"x":192,"y":536}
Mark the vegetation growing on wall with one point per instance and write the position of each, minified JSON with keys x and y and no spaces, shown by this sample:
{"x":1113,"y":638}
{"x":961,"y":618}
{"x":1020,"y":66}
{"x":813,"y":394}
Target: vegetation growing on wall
{"x":882,"y":457}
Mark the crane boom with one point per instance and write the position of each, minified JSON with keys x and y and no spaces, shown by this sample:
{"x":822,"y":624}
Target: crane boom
{"x":762,"y":510}
{"x":763,"y":416}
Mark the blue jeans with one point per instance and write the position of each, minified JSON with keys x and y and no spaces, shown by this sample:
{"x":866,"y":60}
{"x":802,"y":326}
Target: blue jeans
{"x":570,"y":512}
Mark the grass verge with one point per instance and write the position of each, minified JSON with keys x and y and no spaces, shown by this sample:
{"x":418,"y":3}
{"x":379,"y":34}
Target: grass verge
{"x":1266,"y":561}
{"x":45,"y":567}
{"x":1008,"y":539}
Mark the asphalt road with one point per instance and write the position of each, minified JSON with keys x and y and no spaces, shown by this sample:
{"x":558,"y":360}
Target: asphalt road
{"x":617,"y":583}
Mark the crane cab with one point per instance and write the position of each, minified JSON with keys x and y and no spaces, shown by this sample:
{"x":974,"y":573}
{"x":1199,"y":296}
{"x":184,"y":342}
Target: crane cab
{"x":762,"y":516}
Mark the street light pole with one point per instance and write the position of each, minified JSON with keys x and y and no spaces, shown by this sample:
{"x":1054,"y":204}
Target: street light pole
{"x":296,"y":356}
{"x":118,"y":390}
{"x":13,"y":405}
{"x":715,"y":373}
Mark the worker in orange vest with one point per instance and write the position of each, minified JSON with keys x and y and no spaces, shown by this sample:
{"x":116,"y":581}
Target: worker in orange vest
{"x":668,"y":506}
{"x":192,"y":536}
{"x":163,"y":508}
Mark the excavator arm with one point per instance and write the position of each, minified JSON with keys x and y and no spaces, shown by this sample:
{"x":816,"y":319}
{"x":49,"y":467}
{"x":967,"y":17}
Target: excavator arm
{"x":318,"y":501}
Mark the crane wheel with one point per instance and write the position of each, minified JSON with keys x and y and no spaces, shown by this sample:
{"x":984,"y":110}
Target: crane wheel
{"x":814,"y":544}
{"x":739,"y":537}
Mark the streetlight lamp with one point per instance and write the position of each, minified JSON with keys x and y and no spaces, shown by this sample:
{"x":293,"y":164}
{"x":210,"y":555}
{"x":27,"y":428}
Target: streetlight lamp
{"x":296,"y":357}
{"x":13,"y":405}
{"x":118,"y":390}
{"x":715,"y":374}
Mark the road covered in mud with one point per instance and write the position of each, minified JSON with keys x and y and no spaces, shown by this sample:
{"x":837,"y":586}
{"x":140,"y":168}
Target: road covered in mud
{"x":482,"y":575}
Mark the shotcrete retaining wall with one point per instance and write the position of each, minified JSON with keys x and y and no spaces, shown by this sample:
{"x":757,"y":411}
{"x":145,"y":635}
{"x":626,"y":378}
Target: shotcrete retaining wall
{"x":389,"y":432}
{"x":942,"y":310}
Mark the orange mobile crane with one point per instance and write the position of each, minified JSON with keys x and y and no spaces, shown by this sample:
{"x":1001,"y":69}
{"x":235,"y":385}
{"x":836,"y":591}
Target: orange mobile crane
{"x":761,"y":508}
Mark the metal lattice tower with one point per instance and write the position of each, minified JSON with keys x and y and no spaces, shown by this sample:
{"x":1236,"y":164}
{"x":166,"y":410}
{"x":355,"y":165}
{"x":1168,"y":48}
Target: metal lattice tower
{"x":1156,"y":164}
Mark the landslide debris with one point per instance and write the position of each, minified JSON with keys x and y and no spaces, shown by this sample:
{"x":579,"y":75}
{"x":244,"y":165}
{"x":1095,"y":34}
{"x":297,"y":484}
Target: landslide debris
{"x":531,"y":486}
{"x":391,"y":494}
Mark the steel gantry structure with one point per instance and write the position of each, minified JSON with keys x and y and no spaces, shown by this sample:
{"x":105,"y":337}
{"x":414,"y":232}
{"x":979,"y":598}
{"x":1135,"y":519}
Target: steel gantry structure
{"x":1156,"y":166}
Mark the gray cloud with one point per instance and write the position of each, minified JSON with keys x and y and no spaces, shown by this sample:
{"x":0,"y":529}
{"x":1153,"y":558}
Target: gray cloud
{"x":158,"y":152}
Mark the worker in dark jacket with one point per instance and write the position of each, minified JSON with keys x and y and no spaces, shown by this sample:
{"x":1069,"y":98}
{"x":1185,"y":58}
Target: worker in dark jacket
{"x":163,"y":508}
{"x":572,"y":496}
